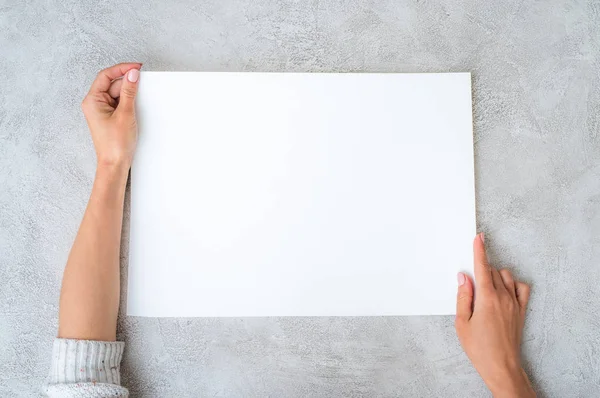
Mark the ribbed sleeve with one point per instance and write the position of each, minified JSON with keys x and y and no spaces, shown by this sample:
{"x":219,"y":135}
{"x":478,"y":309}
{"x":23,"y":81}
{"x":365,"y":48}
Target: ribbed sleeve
{"x":84,"y":368}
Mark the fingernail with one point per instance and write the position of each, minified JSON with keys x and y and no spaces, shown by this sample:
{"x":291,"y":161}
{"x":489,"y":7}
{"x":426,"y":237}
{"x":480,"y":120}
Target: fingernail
{"x":461,"y":278}
{"x":482,"y":237}
{"x":133,"y":75}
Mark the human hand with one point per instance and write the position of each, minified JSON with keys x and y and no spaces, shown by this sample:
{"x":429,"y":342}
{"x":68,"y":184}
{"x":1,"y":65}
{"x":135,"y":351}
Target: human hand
{"x":110,"y":113}
{"x":490,"y":328}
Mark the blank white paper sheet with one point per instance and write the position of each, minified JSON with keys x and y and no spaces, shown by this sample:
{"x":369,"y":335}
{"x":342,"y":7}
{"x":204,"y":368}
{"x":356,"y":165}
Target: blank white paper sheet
{"x":285,"y":194}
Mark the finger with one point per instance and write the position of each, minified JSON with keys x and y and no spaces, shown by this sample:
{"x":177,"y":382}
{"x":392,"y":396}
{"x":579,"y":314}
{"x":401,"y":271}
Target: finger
{"x":497,"y":280}
{"x":106,"y":76}
{"x":115,"y":88}
{"x":464,"y":299}
{"x":129,"y":87}
{"x":483,"y":274}
{"x":522,"y":292}
{"x":508,"y":281}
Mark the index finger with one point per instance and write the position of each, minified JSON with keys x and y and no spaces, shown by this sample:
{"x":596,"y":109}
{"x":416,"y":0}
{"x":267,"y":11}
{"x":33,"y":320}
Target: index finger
{"x":483,"y":271}
{"x":106,"y":76}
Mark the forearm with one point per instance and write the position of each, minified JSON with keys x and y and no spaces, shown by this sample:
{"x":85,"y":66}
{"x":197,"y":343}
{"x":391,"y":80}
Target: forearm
{"x":511,"y":384}
{"x":89,"y":300}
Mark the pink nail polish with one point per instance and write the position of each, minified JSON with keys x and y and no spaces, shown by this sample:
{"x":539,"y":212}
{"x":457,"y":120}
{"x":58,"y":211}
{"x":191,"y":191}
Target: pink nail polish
{"x":482,"y":236}
{"x":133,"y":75}
{"x":461,"y":278}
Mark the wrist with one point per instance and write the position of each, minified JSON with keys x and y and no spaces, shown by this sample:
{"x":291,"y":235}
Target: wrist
{"x":112,"y":172}
{"x":511,"y":383}
{"x":114,"y":162}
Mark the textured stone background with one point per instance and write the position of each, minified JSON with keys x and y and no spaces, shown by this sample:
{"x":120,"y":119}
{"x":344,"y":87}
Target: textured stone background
{"x":536,"y":75}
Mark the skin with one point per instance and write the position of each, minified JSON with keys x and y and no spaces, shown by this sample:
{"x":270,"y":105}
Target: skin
{"x":89,"y":300}
{"x":489,"y":328}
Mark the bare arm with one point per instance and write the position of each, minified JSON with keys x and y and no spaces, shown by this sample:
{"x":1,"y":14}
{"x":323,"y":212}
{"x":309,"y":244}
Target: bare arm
{"x":89,"y":300}
{"x":90,"y":291}
{"x":490,"y":327}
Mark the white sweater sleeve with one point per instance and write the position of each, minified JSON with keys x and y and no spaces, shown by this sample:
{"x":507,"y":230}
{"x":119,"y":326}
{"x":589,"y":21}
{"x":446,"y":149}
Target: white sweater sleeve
{"x":85,"y":368}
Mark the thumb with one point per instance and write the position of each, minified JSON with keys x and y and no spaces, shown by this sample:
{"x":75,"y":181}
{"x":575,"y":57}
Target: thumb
{"x":129,"y":87}
{"x":464,"y":299}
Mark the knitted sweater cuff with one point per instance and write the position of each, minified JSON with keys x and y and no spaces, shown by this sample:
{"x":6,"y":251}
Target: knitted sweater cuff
{"x":86,"y":361}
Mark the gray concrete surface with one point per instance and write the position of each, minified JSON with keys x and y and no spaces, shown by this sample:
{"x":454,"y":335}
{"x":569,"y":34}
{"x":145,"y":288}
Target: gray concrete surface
{"x":536,"y":74}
